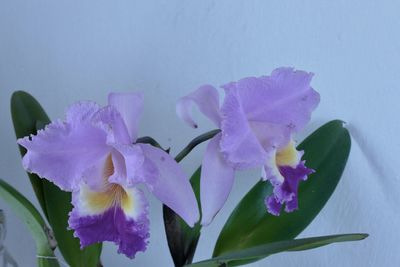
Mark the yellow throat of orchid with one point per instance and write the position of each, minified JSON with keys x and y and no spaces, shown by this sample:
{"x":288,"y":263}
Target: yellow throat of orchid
{"x":288,"y":156}
{"x":111,"y":194}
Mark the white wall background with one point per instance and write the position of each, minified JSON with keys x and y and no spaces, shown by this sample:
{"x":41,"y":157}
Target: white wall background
{"x":64,"y":51}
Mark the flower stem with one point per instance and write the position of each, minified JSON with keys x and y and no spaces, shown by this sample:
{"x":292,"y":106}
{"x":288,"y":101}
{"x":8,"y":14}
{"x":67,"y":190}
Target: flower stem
{"x":151,"y":141}
{"x":196,"y":141}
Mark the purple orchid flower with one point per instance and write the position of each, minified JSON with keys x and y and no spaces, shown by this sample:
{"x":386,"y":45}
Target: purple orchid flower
{"x":257,"y":120}
{"x":93,"y":154}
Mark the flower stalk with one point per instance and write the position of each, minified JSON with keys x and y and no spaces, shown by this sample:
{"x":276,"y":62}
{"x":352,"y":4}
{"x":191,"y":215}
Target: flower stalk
{"x":196,"y":141}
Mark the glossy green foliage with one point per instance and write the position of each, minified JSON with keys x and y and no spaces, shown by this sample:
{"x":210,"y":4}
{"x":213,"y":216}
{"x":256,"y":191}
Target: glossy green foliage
{"x":257,"y":252}
{"x":25,"y":113}
{"x":326,"y":151}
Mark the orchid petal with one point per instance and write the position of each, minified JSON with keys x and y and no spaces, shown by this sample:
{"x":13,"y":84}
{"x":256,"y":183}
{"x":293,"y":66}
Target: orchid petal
{"x":207,"y":100}
{"x":284,"y":98}
{"x":239,"y":143}
{"x":81,"y":112}
{"x":110,"y":120}
{"x":130,"y":106}
{"x":270,"y":170}
{"x":172,"y":186}
{"x":95,"y":176}
{"x":215,"y":182}
{"x":128,"y":162}
{"x":117,"y":216}
{"x":64,"y":150}
{"x":271,"y":136}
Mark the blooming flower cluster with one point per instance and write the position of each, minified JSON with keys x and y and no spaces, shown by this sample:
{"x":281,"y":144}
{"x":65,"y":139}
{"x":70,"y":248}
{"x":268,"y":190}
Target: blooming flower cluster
{"x":93,"y":153}
{"x":257,"y":120}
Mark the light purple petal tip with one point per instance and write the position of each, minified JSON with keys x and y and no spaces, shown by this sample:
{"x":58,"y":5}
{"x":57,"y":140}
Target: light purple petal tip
{"x":207,"y":100}
{"x":216,"y":181}
{"x":130,"y":106}
{"x":80,"y":112}
{"x":273,"y":206}
{"x":110,"y":121}
{"x":171,"y":185}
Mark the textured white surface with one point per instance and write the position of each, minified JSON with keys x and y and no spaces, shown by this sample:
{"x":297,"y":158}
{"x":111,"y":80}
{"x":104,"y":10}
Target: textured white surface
{"x":63,"y":51}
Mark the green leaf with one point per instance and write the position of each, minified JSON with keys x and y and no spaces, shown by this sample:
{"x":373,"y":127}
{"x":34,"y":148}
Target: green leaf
{"x":34,"y":221}
{"x":257,"y":252}
{"x":182,"y":239}
{"x":249,"y":225}
{"x":25,"y":112}
{"x":28,"y":117}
